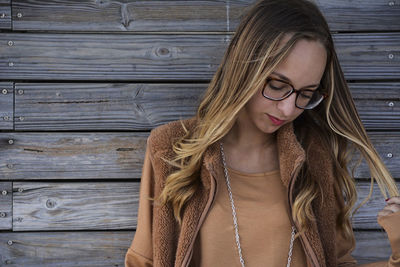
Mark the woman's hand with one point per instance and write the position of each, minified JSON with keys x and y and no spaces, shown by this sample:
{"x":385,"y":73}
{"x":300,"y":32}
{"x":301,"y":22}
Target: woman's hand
{"x":392,"y":206}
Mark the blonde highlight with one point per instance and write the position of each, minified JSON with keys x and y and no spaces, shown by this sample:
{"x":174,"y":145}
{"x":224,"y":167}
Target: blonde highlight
{"x":249,"y":59}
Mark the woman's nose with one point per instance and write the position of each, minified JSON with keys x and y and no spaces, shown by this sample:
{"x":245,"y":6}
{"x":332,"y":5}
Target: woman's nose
{"x":287,"y":106}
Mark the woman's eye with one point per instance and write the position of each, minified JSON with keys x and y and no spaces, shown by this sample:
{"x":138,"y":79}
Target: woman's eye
{"x":276,"y":85}
{"x":307,"y":95}
{"x":276,"y":88}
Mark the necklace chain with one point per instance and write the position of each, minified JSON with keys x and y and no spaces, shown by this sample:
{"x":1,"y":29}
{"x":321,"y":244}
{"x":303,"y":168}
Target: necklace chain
{"x":235,"y":218}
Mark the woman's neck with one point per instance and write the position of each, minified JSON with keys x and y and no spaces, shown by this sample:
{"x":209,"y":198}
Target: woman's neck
{"x":250,"y":150}
{"x":244,"y":137}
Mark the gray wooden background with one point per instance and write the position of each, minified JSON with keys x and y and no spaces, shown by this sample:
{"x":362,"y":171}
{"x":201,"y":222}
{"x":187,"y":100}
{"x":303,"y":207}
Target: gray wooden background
{"x":83,"y":82}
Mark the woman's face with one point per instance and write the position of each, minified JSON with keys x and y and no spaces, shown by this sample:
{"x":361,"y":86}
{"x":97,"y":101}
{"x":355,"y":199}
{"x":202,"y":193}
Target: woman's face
{"x":303,"y":68}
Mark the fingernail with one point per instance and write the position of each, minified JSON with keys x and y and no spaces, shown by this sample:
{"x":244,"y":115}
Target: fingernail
{"x":387,"y":199}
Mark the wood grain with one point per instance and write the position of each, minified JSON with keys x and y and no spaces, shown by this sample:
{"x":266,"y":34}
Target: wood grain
{"x":371,"y":246}
{"x":103,"y":106}
{"x":66,"y":156}
{"x":143,"y":106}
{"x":386,"y":144}
{"x":49,"y":249}
{"x":75,"y":206}
{"x":98,"y":248}
{"x":6,"y":106}
{"x":5,"y":206}
{"x":35,"y":156}
{"x":5,"y":15}
{"x":342,"y":15}
{"x":366,"y":217}
{"x":121,"y":16}
{"x":190,"y":16}
{"x":40,"y":206}
{"x":117,"y":57}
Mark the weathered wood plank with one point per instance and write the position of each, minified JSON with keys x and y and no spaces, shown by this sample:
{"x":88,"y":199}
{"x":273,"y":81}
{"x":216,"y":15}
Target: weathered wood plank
{"x":131,"y":106}
{"x":33,"y":156}
{"x":365,"y":218}
{"x":118,"y":106}
{"x":72,"y":155}
{"x":5,"y":205}
{"x":364,"y":54}
{"x":110,"y":57}
{"x":49,"y":249}
{"x":5,"y":14}
{"x":166,"y":57}
{"x":371,"y":246}
{"x":176,"y":16}
{"x":388,"y":146}
{"x":343,"y":15}
{"x":137,"y":16}
{"x":74,"y":206}
{"x":39,"y":206}
{"x":6,"y":106}
{"x":67,"y":249}
{"x":378,"y":104}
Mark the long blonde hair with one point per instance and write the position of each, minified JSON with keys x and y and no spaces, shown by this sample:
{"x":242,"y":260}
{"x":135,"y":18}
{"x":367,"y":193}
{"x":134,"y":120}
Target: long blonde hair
{"x":251,"y":56}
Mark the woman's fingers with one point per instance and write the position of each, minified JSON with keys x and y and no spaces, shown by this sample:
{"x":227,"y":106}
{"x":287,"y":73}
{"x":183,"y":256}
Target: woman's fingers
{"x":393,"y":200}
{"x":392,"y":205}
{"x":384,"y":213}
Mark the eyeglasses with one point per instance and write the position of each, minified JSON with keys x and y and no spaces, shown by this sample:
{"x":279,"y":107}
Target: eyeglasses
{"x":276,"y":89}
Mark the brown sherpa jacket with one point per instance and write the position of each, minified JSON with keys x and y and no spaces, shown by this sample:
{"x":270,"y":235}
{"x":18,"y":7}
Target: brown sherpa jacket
{"x":160,"y":242}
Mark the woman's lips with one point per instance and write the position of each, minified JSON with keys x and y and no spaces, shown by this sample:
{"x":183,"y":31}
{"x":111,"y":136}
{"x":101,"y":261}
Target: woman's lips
{"x":275,"y":121}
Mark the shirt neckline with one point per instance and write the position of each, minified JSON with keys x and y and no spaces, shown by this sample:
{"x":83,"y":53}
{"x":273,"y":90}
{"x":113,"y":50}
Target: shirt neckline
{"x":248,"y":174}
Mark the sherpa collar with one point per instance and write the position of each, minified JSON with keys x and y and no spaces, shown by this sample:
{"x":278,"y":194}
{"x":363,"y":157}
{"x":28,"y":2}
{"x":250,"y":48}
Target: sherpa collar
{"x":291,"y":155}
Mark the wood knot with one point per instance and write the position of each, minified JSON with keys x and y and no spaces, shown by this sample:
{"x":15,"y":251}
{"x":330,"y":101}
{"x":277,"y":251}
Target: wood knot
{"x":162,"y":51}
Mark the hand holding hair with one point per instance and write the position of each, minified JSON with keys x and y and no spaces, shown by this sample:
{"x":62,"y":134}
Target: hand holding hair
{"x":392,"y":206}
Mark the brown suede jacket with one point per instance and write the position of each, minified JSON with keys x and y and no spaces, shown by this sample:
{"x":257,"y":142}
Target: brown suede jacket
{"x":160,"y":242}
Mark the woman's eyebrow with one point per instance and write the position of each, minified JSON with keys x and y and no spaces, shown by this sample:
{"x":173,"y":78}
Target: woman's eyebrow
{"x":283,"y":77}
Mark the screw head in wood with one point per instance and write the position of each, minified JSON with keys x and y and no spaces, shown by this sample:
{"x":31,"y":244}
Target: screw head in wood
{"x":20,"y":190}
{"x":10,"y":165}
{"x":5,"y":118}
{"x":19,"y":15}
{"x":10,"y":64}
{"x":10,"y":43}
{"x":4,"y":91}
{"x":390,"y":56}
{"x":391,"y":3}
{"x":11,"y":141}
{"x":9,"y":242}
{"x":2,"y":214}
{"x":391,"y":104}
{"x":4,"y":192}
{"x":50,"y":203}
{"x":3,"y":15}
{"x":20,"y":92}
{"x":389,"y":155}
{"x":21,"y":118}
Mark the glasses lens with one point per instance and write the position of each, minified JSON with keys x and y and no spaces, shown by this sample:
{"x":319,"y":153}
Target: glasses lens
{"x":309,"y":99}
{"x":276,"y":90}
{"x":279,"y":90}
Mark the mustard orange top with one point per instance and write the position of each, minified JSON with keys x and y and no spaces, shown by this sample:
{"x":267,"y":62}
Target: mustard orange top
{"x":263,"y":223}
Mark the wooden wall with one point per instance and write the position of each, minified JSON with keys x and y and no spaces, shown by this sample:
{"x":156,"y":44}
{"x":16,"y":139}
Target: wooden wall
{"x":83,"y":82}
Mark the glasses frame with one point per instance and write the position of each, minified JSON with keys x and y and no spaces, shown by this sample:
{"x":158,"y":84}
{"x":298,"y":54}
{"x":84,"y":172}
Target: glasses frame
{"x":294,"y":90}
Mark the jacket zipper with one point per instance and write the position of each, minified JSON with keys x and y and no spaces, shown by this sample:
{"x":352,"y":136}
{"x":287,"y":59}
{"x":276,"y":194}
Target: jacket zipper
{"x":303,"y":238}
{"x":210,"y":201}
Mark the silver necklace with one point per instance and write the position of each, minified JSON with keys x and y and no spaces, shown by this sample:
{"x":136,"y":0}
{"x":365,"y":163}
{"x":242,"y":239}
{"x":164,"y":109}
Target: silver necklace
{"x":235,"y":218}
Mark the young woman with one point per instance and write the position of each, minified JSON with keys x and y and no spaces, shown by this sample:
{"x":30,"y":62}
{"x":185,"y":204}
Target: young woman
{"x":259,"y":177}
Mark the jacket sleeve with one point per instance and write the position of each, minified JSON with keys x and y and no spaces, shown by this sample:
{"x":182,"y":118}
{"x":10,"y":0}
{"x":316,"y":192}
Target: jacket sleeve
{"x":140,"y":253}
{"x":345,"y":246}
